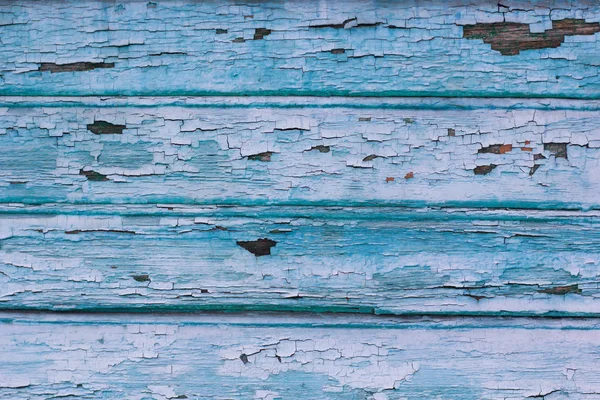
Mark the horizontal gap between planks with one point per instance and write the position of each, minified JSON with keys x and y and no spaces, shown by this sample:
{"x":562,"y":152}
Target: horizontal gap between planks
{"x":300,"y":320}
{"x":309,"y":95}
{"x":263,"y":101}
{"x":309,"y":210}
{"x":155,"y":206}
{"x":243,"y":309}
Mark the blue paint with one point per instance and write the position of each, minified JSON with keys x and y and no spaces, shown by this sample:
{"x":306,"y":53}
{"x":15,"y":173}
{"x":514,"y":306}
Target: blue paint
{"x":154,"y":53}
{"x":208,"y":156}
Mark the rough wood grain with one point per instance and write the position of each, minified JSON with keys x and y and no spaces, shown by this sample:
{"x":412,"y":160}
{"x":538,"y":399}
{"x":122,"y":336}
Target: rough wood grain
{"x":542,"y":48}
{"x":483,"y":153}
{"x":315,"y":357}
{"x":367,"y":260}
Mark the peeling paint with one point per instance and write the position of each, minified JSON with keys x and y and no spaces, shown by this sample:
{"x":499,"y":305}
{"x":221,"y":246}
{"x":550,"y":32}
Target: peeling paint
{"x":93,"y":176}
{"x":259,"y":247}
{"x":312,"y":48}
{"x":558,"y":149}
{"x":73,"y":67}
{"x":510,"y":38}
{"x":313,"y":357}
{"x":300,"y":152}
{"x":364,"y":260}
{"x":105,"y":128}
{"x":562,"y":290}
{"x":133,"y":248}
{"x":484,"y":169}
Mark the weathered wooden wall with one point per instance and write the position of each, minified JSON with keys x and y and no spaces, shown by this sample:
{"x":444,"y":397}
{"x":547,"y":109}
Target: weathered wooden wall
{"x":316,"y":199}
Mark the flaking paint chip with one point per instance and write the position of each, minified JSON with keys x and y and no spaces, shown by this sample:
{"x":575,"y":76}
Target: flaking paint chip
{"x":259,"y":247}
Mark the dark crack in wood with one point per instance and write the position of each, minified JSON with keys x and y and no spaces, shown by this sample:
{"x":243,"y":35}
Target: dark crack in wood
{"x":93,"y":176}
{"x":562,"y":290}
{"x":264,"y":157}
{"x":74,"y":67}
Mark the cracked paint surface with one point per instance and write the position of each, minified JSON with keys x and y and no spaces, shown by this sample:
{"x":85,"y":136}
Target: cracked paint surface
{"x":283,"y":357}
{"x":330,"y":163}
{"x":367,"y":260}
{"x":70,"y":47}
{"x":541,"y":154}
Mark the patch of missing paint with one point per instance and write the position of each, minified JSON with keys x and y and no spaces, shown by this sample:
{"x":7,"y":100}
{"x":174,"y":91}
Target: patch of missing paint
{"x":105,"y":128}
{"x":558,"y":149}
{"x":484,"y":169}
{"x":562,"y":290}
{"x":533,"y":169}
{"x":265,"y":156}
{"x":321,"y":148}
{"x":93,"y":176}
{"x":496,"y":149}
{"x":259,"y":247}
{"x":509,"y":38}
{"x":279,"y":231}
{"x":73,"y":67}
{"x":371,"y":157}
{"x":141,"y":278}
{"x":260,"y":33}
{"x":244,"y":358}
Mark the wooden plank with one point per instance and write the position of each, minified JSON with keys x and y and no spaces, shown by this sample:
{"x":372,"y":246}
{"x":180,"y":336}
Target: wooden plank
{"x":367,"y":260}
{"x":547,"y":48}
{"x":415,"y":152}
{"x":316,"y":357}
